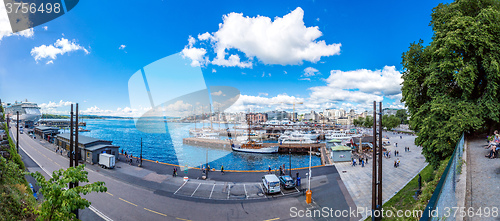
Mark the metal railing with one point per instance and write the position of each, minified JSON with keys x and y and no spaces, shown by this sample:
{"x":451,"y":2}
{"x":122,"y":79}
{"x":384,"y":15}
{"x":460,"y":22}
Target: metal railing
{"x":443,"y":199}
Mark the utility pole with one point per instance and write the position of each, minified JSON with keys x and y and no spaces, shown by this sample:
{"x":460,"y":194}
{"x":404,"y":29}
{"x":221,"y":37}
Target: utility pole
{"x":140,"y":165}
{"x":17,"y":140}
{"x":374,"y":160}
{"x":380,"y":147}
{"x":71,"y":142}
{"x":290,"y":166}
{"x":77,"y":151}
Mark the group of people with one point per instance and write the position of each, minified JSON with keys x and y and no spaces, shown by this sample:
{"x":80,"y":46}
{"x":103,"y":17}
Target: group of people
{"x":387,"y":154}
{"x":129,"y":158}
{"x":407,"y":149}
{"x":362,"y":161}
{"x":494,"y":145}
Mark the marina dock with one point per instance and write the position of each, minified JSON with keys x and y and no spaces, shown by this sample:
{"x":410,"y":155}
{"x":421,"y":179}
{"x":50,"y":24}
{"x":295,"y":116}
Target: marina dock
{"x":284,"y":148}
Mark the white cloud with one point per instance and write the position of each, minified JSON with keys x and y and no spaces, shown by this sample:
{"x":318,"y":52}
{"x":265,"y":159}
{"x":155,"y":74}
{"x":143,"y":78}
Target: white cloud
{"x":344,"y":89}
{"x":263,"y":94}
{"x":60,"y":47}
{"x":213,"y":70}
{"x":257,"y":103}
{"x":285,"y":41}
{"x":205,"y":36}
{"x":218,"y":93}
{"x":285,"y":72}
{"x":45,"y":28}
{"x":197,"y":55}
{"x":6,"y":29}
{"x":304,"y":79}
{"x":122,"y":47}
{"x":191,"y":41}
{"x":51,"y":104}
{"x":359,"y":86}
{"x":309,"y":72}
{"x":50,"y":62}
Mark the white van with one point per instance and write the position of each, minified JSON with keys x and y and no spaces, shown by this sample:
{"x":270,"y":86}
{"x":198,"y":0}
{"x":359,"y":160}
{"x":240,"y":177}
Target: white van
{"x":271,"y":183}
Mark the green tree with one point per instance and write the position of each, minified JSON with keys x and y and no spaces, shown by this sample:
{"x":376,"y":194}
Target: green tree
{"x":402,"y":115}
{"x":358,"y":122}
{"x":368,"y":121}
{"x":452,"y":85}
{"x":390,"y":121}
{"x":59,"y":201}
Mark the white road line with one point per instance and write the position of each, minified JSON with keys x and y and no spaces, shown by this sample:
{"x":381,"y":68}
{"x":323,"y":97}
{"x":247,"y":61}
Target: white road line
{"x":228,"y":190}
{"x":262,"y":189}
{"x":246,"y":195}
{"x":211,"y":192}
{"x":180,"y":187}
{"x":196,"y":189}
{"x":99,"y":213}
{"x":297,"y":189}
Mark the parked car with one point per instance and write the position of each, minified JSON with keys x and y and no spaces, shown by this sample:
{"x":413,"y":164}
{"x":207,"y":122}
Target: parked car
{"x":271,"y":183}
{"x":287,"y":182}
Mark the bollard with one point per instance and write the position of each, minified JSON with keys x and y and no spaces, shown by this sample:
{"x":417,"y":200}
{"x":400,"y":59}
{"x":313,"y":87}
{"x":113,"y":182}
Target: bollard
{"x":308,"y":197}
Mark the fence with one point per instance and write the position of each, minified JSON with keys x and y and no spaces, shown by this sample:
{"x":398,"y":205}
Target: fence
{"x":443,"y":199}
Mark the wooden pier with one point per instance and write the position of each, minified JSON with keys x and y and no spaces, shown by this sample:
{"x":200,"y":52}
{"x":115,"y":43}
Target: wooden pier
{"x":284,"y":148}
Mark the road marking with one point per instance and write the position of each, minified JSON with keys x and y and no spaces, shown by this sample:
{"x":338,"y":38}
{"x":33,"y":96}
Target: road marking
{"x":182,"y":219}
{"x":180,"y":187}
{"x":246,"y":195}
{"x":272,"y":219}
{"x":211,"y":192}
{"x":155,"y":212}
{"x":282,"y":193}
{"x":262,"y":190}
{"x":297,"y":189}
{"x":228,"y":190}
{"x":196,"y":189}
{"x":126,"y":201}
{"x":109,"y":193}
{"x":99,"y":213}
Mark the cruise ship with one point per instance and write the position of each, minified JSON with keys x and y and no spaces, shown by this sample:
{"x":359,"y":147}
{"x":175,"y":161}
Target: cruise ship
{"x":27,"y":111}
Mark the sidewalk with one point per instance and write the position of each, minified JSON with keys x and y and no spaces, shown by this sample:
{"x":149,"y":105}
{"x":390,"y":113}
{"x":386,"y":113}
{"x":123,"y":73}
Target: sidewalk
{"x":358,"y":180}
{"x":484,"y":179}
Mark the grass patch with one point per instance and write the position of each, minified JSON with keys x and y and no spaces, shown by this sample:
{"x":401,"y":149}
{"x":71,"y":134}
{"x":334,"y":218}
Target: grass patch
{"x":404,"y":200}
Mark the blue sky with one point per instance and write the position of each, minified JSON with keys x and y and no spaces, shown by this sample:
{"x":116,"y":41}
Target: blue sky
{"x":351,"y":51}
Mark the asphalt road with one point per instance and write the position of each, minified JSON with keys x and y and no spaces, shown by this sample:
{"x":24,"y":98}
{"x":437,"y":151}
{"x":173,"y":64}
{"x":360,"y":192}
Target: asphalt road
{"x":129,"y":201}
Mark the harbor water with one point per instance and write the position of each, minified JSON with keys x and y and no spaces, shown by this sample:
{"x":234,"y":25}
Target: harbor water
{"x":169,"y":148}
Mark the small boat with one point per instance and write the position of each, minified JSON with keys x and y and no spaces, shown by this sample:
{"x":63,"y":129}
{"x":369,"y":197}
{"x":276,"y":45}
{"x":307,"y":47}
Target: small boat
{"x":254,"y":147}
{"x":83,"y":130}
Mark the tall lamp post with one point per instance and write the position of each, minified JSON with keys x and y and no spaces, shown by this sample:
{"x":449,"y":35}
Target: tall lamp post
{"x":17,"y":139}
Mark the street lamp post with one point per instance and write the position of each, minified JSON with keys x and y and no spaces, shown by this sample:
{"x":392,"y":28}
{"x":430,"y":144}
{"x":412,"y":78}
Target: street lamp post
{"x":141,"y":154}
{"x":290,"y":157}
{"x":17,"y":140}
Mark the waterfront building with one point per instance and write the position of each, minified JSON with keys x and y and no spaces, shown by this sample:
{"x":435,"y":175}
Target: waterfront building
{"x":90,"y":147}
{"x":389,"y":111}
{"x":46,"y":133}
{"x":256,"y":117}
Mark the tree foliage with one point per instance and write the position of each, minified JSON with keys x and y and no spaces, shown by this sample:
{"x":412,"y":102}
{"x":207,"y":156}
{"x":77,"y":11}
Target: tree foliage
{"x":60,"y":201}
{"x":452,"y":85}
{"x":402,"y":115}
{"x":390,"y":121}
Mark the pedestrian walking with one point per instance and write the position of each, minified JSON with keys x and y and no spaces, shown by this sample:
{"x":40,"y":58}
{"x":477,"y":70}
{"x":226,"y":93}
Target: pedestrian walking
{"x":366,"y":160}
{"x":354,"y":162}
{"x":222,"y":169}
{"x":173,"y":172}
{"x":122,"y":151}
{"x":398,"y":162}
{"x":281,"y":171}
{"x":395,"y":164}
{"x":395,"y":153}
{"x":362,"y":163}
{"x":269,"y":169}
{"x":396,"y":144}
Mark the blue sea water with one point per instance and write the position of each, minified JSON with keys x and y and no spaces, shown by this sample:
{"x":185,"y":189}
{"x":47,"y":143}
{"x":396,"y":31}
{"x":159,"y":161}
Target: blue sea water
{"x":168,"y":147}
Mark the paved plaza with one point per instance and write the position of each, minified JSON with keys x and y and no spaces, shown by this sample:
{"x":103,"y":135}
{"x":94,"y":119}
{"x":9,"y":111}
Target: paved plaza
{"x":358,"y":180}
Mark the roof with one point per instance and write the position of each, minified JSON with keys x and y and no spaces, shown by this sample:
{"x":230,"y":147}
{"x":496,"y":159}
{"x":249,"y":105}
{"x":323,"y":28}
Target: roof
{"x":82,"y":139}
{"x":42,"y":128}
{"x":100,"y":146}
{"x":334,"y":141}
{"x":340,"y":148}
